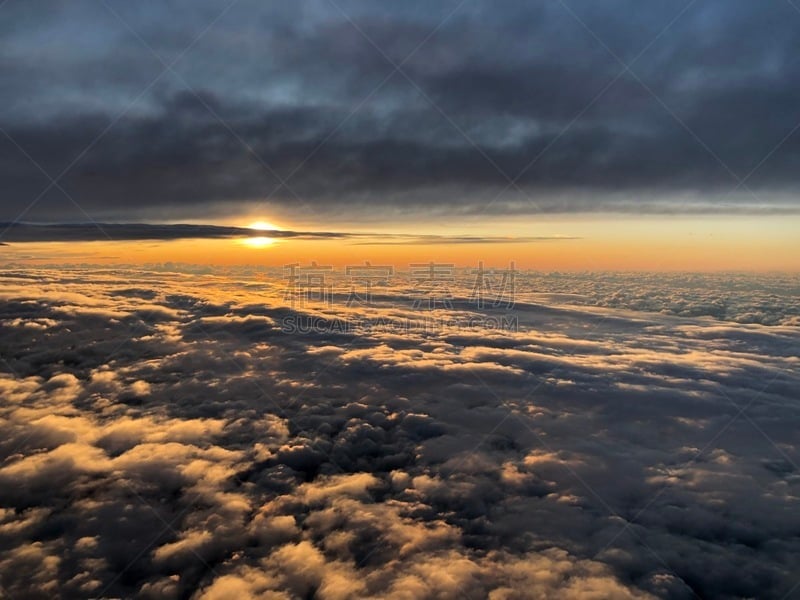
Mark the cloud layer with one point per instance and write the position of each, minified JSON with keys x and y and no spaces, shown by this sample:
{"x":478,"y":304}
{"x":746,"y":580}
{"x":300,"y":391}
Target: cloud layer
{"x":152,"y":109}
{"x":83,"y":232}
{"x":164,"y":435}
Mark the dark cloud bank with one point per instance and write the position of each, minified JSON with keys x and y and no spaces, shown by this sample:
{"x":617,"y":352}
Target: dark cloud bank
{"x":166,"y":436}
{"x":21,"y":232}
{"x":298,"y":93}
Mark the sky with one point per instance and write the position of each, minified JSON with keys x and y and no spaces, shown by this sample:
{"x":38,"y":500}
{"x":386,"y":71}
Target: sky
{"x":567,"y":119}
{"x":369,"y":299}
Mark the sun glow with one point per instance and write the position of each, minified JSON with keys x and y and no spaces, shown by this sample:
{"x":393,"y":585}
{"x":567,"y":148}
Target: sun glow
{"x":260,"y":241}
{"x":263,"y":226}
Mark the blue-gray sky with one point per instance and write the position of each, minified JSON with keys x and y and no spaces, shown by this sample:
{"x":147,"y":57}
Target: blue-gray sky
{"x":201,"y":110}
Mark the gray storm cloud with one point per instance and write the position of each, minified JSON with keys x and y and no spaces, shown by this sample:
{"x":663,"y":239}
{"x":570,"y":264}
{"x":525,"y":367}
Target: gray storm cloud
{"x":166,"y":110}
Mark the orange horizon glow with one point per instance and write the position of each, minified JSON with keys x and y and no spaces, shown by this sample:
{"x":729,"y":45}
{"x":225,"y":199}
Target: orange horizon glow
{"x":621,"y":244}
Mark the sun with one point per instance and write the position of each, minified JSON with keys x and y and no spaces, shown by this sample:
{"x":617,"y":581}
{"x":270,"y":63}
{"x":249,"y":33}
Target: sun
{"x":263,"y":226}
{"x":260,"y":241}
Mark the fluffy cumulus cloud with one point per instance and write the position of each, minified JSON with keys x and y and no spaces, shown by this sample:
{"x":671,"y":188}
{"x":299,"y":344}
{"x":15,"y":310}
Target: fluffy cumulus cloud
{"x":199,"y":435}
{"x":151,"y":107}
